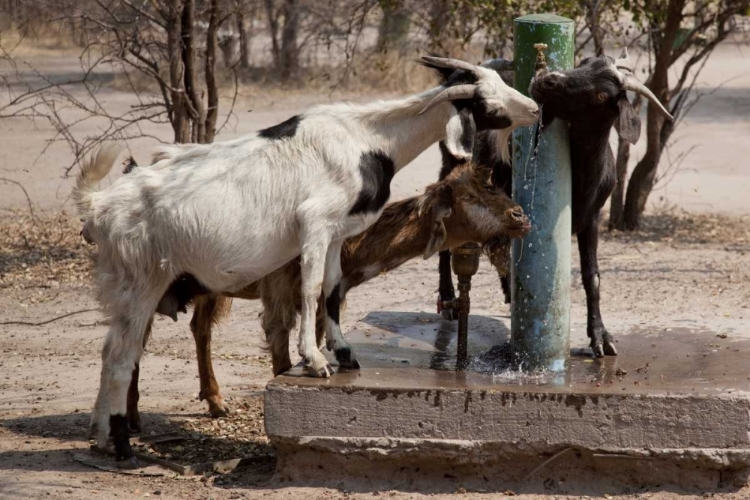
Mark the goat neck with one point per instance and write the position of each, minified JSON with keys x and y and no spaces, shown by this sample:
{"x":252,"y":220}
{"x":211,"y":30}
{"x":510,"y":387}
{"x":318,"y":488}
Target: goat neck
{"x":400,"y":234}
{"x":589,"y":142}
{"x":397,"y":128}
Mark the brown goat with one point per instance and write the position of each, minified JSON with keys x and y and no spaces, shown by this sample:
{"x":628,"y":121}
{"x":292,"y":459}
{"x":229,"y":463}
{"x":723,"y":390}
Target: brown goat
{"x":464,"y":207}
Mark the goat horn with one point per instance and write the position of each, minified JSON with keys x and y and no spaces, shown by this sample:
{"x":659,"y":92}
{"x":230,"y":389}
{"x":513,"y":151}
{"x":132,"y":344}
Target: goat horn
{"x":632,"y":84}
{"x":450,"y":63}
{"x":451,"y":94}
{"x":498,"y":64}
{"x":624,"y":62}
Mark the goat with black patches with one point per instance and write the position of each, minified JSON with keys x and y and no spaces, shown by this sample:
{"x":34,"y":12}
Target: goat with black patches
{"x":227,"y":214}
{"x":463,"y":207}
{"x":491,"y":150}
{"x":590,"y":99}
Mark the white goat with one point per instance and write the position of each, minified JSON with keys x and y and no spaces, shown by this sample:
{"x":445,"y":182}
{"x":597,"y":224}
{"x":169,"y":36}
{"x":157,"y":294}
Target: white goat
{"x":227,"y":214}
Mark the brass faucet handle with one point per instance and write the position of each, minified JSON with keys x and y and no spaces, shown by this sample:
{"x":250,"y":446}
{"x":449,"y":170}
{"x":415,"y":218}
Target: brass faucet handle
{"x":541,"y":62}
{"x":540,"y":59}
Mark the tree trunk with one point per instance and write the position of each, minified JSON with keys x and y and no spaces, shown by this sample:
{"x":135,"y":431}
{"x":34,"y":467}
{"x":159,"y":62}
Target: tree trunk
{"x":623,"y":158}
{"x":289,"y":57}
{"x":273,"y":28}
{"x":177,"y":109}
{"x":212,"y":111}
{"x":244,"y":38}
{"x":592,"y":21}
{"x":394,"y":26}
{"x":195,"y":103}
{"x":643,"y":177}
{"x":439,"y":33}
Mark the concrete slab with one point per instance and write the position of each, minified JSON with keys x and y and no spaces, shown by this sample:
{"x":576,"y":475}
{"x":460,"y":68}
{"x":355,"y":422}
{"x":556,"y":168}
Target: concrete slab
{"x":672,"y":400}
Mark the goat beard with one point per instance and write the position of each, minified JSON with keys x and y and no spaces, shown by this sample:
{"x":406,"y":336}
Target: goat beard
{"x":497,"y":251}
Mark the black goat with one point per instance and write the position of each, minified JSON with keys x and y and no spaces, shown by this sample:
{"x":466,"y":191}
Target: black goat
{"x":590,"y":98}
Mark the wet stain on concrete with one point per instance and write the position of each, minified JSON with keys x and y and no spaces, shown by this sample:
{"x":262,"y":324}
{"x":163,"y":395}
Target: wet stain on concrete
{"x":677,"y":361}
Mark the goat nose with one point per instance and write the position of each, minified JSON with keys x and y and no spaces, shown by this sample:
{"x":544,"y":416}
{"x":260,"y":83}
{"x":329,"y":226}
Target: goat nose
{"x":515,"y":213}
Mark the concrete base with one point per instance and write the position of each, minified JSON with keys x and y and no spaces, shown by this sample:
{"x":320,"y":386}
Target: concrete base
{"x":672,"y":408}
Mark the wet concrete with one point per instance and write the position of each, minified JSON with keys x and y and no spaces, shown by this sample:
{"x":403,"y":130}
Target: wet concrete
{"x":673,"y":400}
{"x":419,"y":351}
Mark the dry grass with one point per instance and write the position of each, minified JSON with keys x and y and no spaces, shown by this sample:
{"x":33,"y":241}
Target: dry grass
{"x":684,"y":228}
{"x":42,"y":252}
{"x":206,"y":440}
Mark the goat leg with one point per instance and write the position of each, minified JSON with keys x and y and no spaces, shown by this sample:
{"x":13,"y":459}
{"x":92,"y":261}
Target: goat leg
{"x":205,"y":313}
{"x":602,"y":342}
{"x":505,"y":285}
{"x":333,"y":295}
{"x":122,"y":350}
{"x":446,"y":292}
{"x":314,"y":246}
{"x":134,"y":418}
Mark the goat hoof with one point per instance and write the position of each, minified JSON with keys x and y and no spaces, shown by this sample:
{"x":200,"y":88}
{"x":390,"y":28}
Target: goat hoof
{"x":134,"y":424}
{"x":447,"y":314}
{"x":216,"y":406}
{"x":219,"y":412}
{"x":609,"y":348}
{"x":324,"y":372}
{"x":317,"y":365}
{"x":598,"y":350}
{"x":129,"y":463}
{"x":346,"y":358}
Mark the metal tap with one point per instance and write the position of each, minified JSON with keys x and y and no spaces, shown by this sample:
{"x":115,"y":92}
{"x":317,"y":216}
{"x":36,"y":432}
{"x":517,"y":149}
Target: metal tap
{"x":465,"y":264}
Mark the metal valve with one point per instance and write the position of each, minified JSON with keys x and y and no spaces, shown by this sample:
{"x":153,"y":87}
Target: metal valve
{"x":465,"y":264}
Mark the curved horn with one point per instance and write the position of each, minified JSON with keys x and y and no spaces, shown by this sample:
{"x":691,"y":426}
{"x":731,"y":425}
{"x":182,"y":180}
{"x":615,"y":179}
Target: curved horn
{"x":632,"y":84}
{"x":451,"y":94}
{"x":450,"y":63}
{"x":498,"y":64}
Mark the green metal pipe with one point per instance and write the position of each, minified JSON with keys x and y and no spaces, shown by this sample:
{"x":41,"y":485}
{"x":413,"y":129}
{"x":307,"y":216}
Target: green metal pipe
{"x":540,"y":269}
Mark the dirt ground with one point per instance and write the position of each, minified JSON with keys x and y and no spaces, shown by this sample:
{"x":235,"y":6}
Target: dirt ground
{"x":688,"y":267}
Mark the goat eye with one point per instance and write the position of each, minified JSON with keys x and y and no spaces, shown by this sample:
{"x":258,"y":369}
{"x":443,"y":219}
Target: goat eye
{"x":601,"y":96}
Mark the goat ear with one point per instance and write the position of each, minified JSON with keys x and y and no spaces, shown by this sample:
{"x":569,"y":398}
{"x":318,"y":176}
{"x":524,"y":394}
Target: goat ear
{"x":459,"y":133}
{"x":628,"y":124}
{"x":440,"y":211}
{"x":485,"y":174}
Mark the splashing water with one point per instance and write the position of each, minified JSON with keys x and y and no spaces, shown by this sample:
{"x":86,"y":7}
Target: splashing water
{"x":533,"y":143}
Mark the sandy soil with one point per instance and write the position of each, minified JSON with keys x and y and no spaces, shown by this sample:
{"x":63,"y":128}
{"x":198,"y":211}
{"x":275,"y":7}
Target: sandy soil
{"x":683,"y":270}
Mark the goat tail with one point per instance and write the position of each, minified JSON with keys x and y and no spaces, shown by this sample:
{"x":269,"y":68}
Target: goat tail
{"x":93,"y":170}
